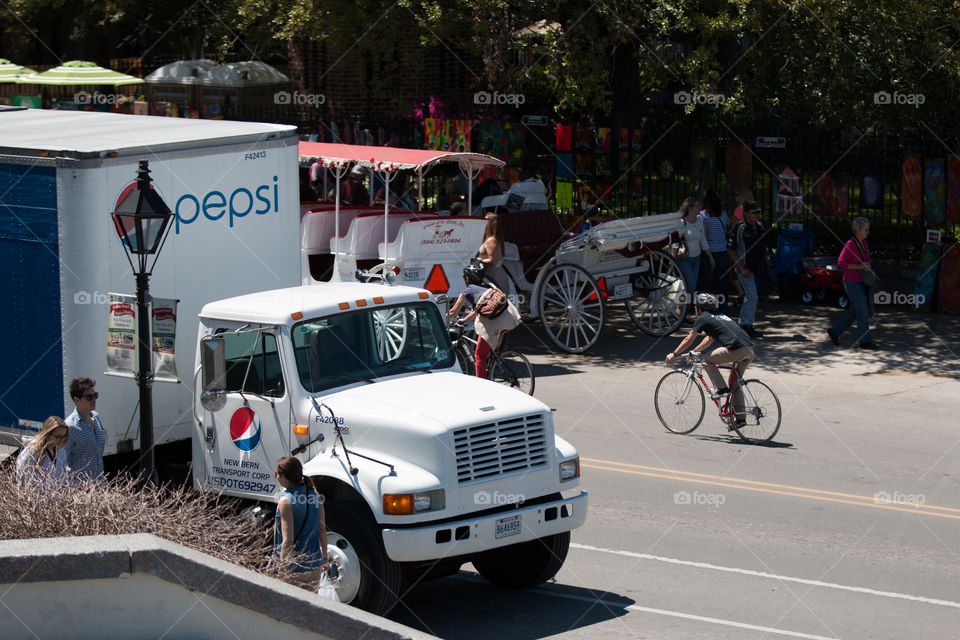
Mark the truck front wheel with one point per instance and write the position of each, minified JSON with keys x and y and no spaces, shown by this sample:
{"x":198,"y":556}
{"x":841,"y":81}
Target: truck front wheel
{"x":526,"y":564}
{"x":369,"y":579}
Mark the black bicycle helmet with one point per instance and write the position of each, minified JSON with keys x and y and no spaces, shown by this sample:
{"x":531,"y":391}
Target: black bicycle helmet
{"x":473,"y":272}
{"x":707,"y":301}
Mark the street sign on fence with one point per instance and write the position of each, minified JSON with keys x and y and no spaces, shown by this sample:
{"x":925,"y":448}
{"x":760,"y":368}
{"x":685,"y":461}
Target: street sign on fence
{"x":771,"y":143}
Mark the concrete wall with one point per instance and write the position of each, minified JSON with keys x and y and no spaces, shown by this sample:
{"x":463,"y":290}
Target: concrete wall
{"x":141,"y":586}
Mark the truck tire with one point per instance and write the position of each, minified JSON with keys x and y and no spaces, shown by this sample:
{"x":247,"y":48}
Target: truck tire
{"x":370,"y":580}
{"x":526,"y":564}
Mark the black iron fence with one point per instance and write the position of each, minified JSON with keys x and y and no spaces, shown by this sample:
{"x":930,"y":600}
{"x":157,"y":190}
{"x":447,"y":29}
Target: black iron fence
{"x":655,"y":175}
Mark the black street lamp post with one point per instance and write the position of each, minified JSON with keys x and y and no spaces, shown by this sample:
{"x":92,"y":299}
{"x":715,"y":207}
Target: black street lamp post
{"x":142,"y":221}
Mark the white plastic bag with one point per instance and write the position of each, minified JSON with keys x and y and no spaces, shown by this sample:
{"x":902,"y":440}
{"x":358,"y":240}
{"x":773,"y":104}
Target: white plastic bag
{"x":326,"y":588}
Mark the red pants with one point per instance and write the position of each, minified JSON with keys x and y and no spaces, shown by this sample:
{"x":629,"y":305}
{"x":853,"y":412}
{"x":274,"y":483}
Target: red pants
{"x":480,"y":357}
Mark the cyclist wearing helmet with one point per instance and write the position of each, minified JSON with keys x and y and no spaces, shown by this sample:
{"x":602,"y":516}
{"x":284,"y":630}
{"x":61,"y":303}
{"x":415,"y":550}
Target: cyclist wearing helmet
{"x":489,"y":330}
{"x":735,"y":346}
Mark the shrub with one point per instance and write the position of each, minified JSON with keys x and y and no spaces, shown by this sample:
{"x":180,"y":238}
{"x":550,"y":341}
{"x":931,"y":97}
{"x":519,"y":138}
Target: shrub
{"x":180,"y":514}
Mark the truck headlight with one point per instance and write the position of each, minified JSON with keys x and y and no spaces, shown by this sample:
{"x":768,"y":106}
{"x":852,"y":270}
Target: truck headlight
{"x":405,"y":504}
{"x":570,"y":469}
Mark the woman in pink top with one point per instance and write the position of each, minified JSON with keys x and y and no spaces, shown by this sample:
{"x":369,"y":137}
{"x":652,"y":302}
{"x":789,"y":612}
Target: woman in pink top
{"x":854,"y":259}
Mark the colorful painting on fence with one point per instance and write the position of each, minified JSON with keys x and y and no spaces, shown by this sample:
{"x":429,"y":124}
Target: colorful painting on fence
{"x":935,"y":192}
{"x":826,"y":196}
{"x":583,"y":165}
{"x":564,"y":137}
{"x":584,"y":139}
{"x":949,"y":298}
{"x":502,"y":140}
{"x":871,"y":190}
{"x":739,"y":169}
{"x":703,"y":164}
{"x":603,"y":166}
{"x":602,"y":141}
{"x":564,"y":194}
{"x":443,"y":135}
{"x":433,"y":133}
{"x":911,"y":179}
{"x":953,"y":188}
{"x":564,"y":165}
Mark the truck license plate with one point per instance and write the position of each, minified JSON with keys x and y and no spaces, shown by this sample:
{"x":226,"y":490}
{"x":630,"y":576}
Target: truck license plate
{"x":413,"y":273}
{"x":623,"y":290}
{"x":507,"y":527}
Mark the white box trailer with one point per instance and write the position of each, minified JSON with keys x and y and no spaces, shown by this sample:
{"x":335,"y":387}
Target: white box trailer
{"x":233,"y":187}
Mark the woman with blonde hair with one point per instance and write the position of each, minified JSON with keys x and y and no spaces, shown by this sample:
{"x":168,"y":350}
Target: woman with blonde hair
{"x":44,"y":458}
{"x":491,"y":254}
{"x":695,"y":243}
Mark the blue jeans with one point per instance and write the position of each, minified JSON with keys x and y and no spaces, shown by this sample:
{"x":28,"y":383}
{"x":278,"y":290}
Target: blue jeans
{"x":691,"y":271}
{"x":722,"y":276}
{"x":858,"y":309}
{"x":748,"y":310}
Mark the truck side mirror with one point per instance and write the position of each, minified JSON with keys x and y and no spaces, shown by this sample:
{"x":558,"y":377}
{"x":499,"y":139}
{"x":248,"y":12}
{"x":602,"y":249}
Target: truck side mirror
{"x":214,"y":367}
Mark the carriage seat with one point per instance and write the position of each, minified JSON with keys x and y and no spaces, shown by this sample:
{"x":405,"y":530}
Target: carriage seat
{"x":537,"y":234}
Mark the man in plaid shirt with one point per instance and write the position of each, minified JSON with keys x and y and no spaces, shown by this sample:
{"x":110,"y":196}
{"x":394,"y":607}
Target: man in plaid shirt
{"x":84,"y":450}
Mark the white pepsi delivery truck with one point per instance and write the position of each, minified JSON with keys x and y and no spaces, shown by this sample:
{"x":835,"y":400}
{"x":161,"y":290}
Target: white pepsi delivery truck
{"x":233,"y":187}
{"x":422,"y":468}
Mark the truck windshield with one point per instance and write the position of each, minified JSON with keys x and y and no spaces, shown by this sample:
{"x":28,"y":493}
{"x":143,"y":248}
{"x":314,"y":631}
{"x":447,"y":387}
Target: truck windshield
{"x":370,"y":343}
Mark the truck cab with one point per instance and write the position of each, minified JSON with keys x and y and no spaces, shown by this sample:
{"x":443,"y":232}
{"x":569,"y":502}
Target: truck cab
{"x":421,"y":467}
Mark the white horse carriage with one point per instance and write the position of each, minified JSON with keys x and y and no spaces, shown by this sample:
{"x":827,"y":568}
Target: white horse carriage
{"x":568,"y":280}
{"x":418,"y":248}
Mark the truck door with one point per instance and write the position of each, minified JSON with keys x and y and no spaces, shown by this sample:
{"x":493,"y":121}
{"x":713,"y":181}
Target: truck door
{"x":246,"y":437}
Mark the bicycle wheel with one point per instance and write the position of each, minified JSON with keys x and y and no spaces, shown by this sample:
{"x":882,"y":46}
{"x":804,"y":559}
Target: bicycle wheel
{"x":464,"y":359}
{"x":761,"y":413}
{"x":679,"y":402}
{"x":514,"y":370}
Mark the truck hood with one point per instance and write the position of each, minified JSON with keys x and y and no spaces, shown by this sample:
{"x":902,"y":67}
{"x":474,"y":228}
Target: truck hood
{"x":436,"y":402}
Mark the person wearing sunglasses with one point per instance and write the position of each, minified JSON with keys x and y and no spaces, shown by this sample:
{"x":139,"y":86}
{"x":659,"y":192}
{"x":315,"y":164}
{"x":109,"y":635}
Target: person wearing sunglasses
{"x":42,"y":459}
{"x":84,"y":451}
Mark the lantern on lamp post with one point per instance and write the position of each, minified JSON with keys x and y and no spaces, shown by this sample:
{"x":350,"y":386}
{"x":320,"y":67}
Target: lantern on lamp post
{"x":142,"y":221}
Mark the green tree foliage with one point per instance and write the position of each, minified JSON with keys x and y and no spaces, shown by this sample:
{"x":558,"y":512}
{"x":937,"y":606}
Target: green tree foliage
{"x":817,"y":62}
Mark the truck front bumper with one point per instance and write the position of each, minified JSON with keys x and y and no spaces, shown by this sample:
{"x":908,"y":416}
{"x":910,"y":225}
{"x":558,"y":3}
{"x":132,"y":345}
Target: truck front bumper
{"x":474,"y":535}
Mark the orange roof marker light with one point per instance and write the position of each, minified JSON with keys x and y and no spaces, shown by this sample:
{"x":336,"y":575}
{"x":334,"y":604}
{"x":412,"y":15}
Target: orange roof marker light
{"x":361,"y":303}
{"x":378,"y":300}
{"x":437,"y":282}
{"x":296,"y":315}
{"x":344,"y":305}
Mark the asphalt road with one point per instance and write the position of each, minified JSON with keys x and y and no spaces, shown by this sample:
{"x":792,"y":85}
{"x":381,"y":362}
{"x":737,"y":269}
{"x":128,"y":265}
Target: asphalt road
{"x":846,"y":526}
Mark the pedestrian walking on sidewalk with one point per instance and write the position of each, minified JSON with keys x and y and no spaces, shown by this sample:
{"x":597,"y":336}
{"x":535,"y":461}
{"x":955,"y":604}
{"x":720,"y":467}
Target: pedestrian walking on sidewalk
{"x":855,"y":261}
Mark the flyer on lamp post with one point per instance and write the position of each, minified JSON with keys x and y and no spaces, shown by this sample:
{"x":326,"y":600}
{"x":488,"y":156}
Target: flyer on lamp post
{"x":122,"y":335}
{"x":164,"y":329}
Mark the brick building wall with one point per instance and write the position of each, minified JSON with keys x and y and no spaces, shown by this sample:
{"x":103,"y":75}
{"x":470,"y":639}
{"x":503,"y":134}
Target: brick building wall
{"x":356,"y":86}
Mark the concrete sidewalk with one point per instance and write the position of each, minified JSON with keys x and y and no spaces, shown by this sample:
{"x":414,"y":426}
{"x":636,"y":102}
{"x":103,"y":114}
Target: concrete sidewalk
{"x":794,"y":340}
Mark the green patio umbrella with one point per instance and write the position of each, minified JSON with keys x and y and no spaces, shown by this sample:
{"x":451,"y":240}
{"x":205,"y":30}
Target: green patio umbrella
{"x":79,"y":73}
{"x":10,"y":71}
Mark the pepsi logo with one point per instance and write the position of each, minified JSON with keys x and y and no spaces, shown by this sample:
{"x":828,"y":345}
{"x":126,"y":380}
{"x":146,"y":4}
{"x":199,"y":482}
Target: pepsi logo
{"x":245,"y":429}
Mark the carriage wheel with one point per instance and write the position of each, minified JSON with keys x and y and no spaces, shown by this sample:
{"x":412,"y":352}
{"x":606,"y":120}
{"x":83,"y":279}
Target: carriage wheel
{"x":571,"y":308}
{"x":390,"y":329}
{"x":662,"y":297}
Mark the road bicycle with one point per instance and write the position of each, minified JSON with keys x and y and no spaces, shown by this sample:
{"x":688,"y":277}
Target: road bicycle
{"x":680,"y":401}
{"x":506,"y":367}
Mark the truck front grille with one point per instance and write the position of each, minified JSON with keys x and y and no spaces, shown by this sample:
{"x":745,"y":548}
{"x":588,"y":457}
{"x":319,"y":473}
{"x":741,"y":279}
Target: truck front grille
{"x":489,"y":450}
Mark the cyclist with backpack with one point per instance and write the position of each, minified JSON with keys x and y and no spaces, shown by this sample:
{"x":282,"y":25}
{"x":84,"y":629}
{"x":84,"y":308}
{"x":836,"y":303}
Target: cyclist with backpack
{"x":492,"y":312}
{"x":735,"y":346}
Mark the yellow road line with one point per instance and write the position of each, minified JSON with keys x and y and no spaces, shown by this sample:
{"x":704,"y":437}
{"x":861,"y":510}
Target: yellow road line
{"x":736,"y":483}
